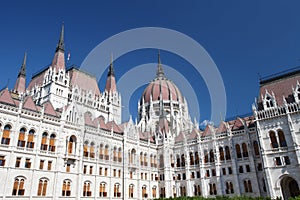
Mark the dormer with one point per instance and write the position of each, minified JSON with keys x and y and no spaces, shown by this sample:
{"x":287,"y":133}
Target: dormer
{"x":269,"y":100}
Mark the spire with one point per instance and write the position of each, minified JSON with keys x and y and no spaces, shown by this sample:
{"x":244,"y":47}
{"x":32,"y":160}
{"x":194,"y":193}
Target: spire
{"x":22,"y":71}
{"x":111,"y":80}
{"x":160,"y":71}
{"x":111,"y":71}
{"x":58,"y":62}
{"x":60,"y":45}
{"x":20,"y":82}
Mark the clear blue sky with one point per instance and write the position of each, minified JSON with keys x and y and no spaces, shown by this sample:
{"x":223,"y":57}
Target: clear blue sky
{"x":244,"y":38}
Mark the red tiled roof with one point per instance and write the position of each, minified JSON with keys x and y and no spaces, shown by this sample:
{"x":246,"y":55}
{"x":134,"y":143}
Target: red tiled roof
{"x":37,"y":80}
{"x":5,"y":97}
{"x":179,"y":137}
{"x":49,"y":109}
{"x":222,"y":127}
{"x":29,"y":104}
{"x":207,"y":131}
{"x":84,"y":81}
{"x":282,"y":87}
{"x":194,"y":134}
{"x":238,"y":124}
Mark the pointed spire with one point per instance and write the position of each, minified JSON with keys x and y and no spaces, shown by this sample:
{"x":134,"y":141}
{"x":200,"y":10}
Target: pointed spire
{"x":60,"y":45}
{"x":160,"y":71}
{"x":21,"y":80}
{"x":22,"y":71}
{"x":111,"y":71}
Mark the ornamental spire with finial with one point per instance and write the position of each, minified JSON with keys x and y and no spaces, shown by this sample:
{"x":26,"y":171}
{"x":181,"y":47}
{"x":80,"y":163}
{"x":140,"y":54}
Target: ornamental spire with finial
{"x":160,"y":71}
{"x":111,"y":71}
{"x":22,"y":71}
{"x":60,"y":44}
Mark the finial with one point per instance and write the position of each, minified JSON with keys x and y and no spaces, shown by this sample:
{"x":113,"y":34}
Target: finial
{"x":60,"y":44}
{"x":160,"y":71}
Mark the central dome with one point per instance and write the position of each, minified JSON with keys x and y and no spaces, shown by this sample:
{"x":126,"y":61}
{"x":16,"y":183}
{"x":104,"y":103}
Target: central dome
{"x":161,"y":87}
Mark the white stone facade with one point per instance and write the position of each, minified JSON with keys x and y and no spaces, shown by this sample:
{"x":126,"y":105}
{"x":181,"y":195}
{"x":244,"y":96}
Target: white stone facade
{"x":63,"y":139}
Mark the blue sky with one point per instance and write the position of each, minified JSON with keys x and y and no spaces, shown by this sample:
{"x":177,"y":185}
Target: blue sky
{"x":244,"y":38}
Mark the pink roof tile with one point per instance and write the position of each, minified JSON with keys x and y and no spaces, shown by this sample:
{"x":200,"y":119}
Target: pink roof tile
{"x":207,"y":131}
{"x":281,"y":86}
{"x":179,"y":137}
{"x":222,"y":127}
{"x":5,"y":97}
{"x":37,"y":80}
{"x":84,"y":81}
{"x":49,"y":109}
{"x":88,"y":120}
{"x":112,"y":125}
{"x":238,"y":124}
{"x":29,"y":104}
{"x":194,"y":134}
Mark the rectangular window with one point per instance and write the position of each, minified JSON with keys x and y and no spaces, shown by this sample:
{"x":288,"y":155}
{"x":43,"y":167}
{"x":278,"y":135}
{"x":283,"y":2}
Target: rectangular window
{"x":68,"y":167}
{"x":224,"y":171}
{"x":27,"y":163}
{"x":213,"y":172}
{"x":207,"y":173}
{"x":183,"y":176}
{"x":105,"y":172}
{"x":259,"y":167}
{"x":198,"y":174}
{"x":229,"y":170}
{"x":278,"y":161}
{"x":91,"y":169}
{"x":248,"y":168}
{"x":241,"y":169}
{"x":18,"y":162}
{"x":115,"y":173}
{"x":84,"y":169}
{"x":100,"y":171}
{"x":130,"y":175}
{"x":2,"y":161}
{"x":192,"y":175}
{"x":142,"y":176}
{"x":119,"y":173}
{"x":145,"y":176}
{"x":42,"y":164}
{"x":49,"y":165}
{"x":287,"y":160}
{"x":152,"y":177}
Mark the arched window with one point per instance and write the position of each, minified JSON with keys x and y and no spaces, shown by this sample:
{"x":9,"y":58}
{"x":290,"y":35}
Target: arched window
{"x":212,"y":189}
{"x":18,"y":188}
{"x":245,"y":150}
{"x":85,"y":149}
{"x":274,"y":143}
{"x":247,"y":186}
{"x":101,"y":151}
{"x":30,"y":139}
{"x":229,"y":188}
{"x":196,"y":158}
{"x":177,"y":161}
{"x":145,"y":160}
{"x":182,"y":160}
{"x":115,"y":154}
{"x":44,"y":143}
{"x":211,"y":156}
{"x":52,"y":146}
{"x":71,"y":145}
{"x":92,"y":150}
{"x":141,"y":159}
{"x":172,"y":160}
{"x":182,"y":191}
{"x":131,"y":191}
{"x":205,"y":156}
{"x":42,"y":188}
{"x":227,"y":152}
{"x":154,"y":191}
{"x":192,"y":162}
{"x":6,"y":135}
{"x":117,"y":192}
{"x":151,"y":160}
{"x":238,"y":151}
{"x":256,"y":148}
{"x":66,"y":188}
{"x":155,"y":161}
{"x":221,"y":152}
{"x":144,"y":191}
{"x":87,"y":189}
{"x":120,"y":155}
{"x":281,"y":138}
{"x":102,"y":190}
{"x":21,"y":138}
{"x":106,"y":152}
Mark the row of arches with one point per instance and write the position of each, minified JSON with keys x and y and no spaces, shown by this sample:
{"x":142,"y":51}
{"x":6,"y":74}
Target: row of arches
{"x":27,"y":138}
{"x":132,"y":155}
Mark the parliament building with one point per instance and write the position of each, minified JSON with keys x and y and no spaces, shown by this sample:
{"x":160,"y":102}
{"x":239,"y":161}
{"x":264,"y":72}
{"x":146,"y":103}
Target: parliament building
{"x":63,"y":138}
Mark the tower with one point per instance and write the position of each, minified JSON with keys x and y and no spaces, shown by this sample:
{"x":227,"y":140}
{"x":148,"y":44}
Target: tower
{"x":20,"y":84}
